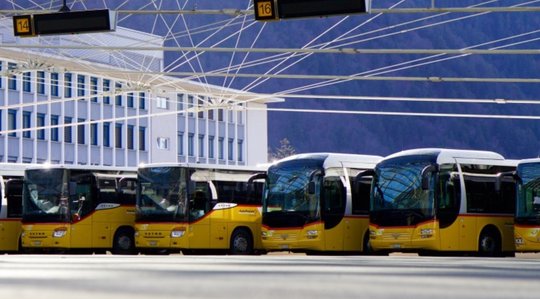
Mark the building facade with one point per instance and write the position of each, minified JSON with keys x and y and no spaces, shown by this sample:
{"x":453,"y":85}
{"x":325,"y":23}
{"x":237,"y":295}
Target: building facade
{"x":65,"y":105}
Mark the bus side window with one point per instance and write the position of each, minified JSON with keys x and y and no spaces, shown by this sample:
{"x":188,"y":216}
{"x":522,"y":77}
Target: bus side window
{"x":127,"y":192}
{"x":360,"y":195}
{"x":14,"y":198}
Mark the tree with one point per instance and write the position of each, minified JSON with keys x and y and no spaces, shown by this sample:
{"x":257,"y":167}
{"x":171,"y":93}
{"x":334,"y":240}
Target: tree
{"x":284,"y":150}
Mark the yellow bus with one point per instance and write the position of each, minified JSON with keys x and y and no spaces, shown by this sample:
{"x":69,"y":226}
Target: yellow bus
{"x":527,"y":221}
{"x":11,"y":178}
{"x":79,"y":209}
{"x":443,"y":201}
{"x":311,"y":204}
{"x":198,"y":209}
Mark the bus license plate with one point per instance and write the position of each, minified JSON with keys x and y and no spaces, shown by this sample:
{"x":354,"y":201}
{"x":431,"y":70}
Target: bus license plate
{"x":152,"y":243}
{"x":284,"y":246}
{"x":396,"y":246}
{"x":36,"y":243}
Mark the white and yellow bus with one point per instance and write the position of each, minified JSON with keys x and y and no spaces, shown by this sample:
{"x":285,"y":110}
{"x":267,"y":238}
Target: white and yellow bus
{"x":79,"y":209}
{"x":11,"y":178}
{"x":527,"y":220}
{"x":198,"y":209}
{"x":443,"y":201}
{"x":312,"y":204}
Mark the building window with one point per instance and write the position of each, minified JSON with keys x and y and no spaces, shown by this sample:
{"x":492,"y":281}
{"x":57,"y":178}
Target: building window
{"x":67,"y":129}
{"x":221,"y":148}
{"x":180,"y":143}
{"x":240,"y":114}
{"x":201,"y":146}
{"x":200,"y":106}
{"x":54,"y":85}
{"x":240,"y":151}
{"x":220,"y":114}
{"x":162,"y":143}
{"x":190,"y":105}
{"x":80,"y":131}
{"x":142,"y":100}
{"x":130,"y":137}
{"x":27,"y":82}
{"x":67,"y":85}
{"x":162,"y":102}
{"x":211,"y":147}
{"x":12,"y":80}
{"x":26,"y":123}
{"x":93,"y":88}
{"x":106,"y":134}
{"x":1,"y":78}
{"x":106,"y":89}
{"x":118,"y":97}
{"x":12,"y":122}
{"x":130,"y":100}
{"x":211,"y":114}
{"x":40,"y":123}
{"x":94,"y":133}
{"x":230,"y":117}
{"x":142,"y":138}
{"x":180,"y":102}
{"x":41,"y":82}
{"x":190,"y":145}
{"x":80,"y":86}
{"x":118,"y":135}
{"x":230,"y":149}
{"x":54,"y":127}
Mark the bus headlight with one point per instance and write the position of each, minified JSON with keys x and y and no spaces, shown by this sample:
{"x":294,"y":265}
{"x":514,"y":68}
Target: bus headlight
{"x":519,"y":241}
{"x":178,"y":232}
{"x":59,"y":232}
{"x":426,"y":233}
{"x":266,"y":234}
{"x":312,"y":234}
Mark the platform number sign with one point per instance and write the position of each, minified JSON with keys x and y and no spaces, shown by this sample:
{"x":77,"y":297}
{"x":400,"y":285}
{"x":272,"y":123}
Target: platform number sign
{"x":265,"y":10}
{"x":22,"y":25}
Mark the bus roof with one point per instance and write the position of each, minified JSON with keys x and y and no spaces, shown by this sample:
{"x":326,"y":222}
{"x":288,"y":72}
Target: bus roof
{"x":529,"y":161}
{"x":262,"y":167}
{"x":14,"y":169}
{"x":90,"y":168}
{"x":337,"y":159}
{"x":443,"y":156}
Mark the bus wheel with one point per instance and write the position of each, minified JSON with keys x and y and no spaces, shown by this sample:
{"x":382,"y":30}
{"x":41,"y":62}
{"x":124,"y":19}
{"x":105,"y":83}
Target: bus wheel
{"x":489,"y":244}
{"x":123,"y":242}
{"x":366,"y":246}
{"x":241,"y":242}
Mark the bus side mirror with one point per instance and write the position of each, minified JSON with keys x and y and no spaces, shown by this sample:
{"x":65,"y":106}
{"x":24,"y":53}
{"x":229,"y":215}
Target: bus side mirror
{"x":501,"y":176}
{"x":257,"y":176}
{"x":311,"y":188}
{"x":426,"y":172}
{"x":311,"y":184}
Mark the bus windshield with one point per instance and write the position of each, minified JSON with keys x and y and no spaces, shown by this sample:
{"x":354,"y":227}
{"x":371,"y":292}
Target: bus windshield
{"x":288,"y":192}
{"x":162,"y":194}
{"x":45,"y":196}
{"x":398,"y":196}
{"x":528,"y":201}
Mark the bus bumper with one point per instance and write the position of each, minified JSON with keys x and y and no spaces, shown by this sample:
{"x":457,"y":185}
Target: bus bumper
{"x":161,"y":236}
{"x":45,"y":237}
{"x":402,"y":239}
{"x":308,"y":238}
{"x":527,"y":239}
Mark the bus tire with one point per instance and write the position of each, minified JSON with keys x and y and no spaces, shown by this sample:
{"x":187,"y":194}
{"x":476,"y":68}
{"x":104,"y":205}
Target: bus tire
{"x":366,"y":247}
{"x":489,"y":243}
{"x":124,"y":242}
{"x":241,"y":242}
